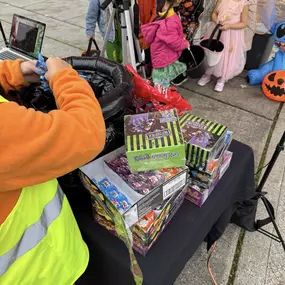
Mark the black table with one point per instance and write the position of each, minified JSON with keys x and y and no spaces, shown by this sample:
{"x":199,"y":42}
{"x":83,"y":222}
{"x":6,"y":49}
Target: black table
{"x":109,"y":260}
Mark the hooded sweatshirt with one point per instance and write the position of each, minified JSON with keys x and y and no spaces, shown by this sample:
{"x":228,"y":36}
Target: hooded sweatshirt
{"x":166,"y":39}
{"x":37,"y":147}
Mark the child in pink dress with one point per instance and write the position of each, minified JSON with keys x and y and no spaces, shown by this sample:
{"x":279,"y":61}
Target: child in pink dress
{"x":232,"y":15}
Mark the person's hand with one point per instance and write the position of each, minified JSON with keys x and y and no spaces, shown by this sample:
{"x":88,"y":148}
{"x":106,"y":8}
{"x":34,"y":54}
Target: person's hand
{"x":55,"y":64}
{"x":28,"y":69}
{"x":225,"y":27}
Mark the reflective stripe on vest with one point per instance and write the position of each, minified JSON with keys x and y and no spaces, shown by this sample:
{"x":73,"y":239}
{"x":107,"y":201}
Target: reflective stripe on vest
{"x":2,"y":100}
{"x":40,"y":242}
{"x":33,"y":234}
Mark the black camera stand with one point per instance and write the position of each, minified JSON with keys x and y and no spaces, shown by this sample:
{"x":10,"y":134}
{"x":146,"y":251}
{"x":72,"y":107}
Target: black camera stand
{"x":128,"y":36}
{"x":271,"y":219}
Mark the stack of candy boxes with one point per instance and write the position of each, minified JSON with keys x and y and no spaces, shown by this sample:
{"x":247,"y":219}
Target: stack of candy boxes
{"x":146,"y":180}
{"x":207,"y":155}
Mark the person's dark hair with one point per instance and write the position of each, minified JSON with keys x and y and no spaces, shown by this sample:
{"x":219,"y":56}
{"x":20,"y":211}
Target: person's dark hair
{"x":171,"y":5}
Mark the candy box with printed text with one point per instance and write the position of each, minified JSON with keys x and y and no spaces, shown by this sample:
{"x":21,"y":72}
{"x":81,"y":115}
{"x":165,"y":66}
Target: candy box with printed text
{"x":147,"y":230}
{"x":123,"y":193}
{"x":206,"y":178}
{"x":197,"y":194}
{"x":204,"y":139}
{"x":154,"y":140}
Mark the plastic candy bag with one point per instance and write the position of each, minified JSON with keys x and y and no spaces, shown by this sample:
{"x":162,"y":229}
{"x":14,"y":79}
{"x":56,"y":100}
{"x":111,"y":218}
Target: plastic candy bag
{"x":169,"y":99}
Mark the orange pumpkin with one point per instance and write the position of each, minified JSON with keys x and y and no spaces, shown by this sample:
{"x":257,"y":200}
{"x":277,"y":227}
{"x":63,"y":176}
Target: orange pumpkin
{"x":273,"y":85}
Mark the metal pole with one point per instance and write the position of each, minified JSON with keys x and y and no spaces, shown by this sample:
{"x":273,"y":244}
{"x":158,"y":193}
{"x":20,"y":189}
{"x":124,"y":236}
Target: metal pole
{"x":130,"y":38}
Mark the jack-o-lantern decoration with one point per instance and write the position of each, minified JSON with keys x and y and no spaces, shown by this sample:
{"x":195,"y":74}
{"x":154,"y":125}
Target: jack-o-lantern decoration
{"x":273,"y":86}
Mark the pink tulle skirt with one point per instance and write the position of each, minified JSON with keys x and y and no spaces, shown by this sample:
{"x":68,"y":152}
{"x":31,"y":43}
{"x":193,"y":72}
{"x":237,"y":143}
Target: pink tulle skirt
{"x":234,"y":56}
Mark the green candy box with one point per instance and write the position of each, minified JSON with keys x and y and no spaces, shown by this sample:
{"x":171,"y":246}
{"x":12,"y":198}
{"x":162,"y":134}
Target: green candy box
{"x":204,"y":139}
{"x":154,"y":140}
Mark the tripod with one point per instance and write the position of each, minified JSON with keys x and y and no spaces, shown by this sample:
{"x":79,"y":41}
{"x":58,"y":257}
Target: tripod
{"x":128,"y":36}
{"x":268,"y":206}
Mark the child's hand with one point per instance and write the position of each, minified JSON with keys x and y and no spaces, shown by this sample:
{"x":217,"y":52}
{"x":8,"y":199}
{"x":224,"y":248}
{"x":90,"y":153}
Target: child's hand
{"x":28,"y":69}
{"x":225,"y":27}
{"x":55,"y":64}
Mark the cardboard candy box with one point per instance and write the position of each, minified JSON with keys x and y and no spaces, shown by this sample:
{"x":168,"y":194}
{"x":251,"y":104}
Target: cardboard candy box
{"x":154,"y":140}
{"x":203,"y":138}
{"x":145,"y":232}
{"x":198,"y":195}
{"x":125,"y":196}
{"x":206,"y":178}
{"x":149,"y":226}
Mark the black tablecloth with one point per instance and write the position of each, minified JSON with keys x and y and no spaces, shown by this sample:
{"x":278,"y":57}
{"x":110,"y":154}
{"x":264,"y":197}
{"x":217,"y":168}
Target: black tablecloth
{"x":109,"y":260}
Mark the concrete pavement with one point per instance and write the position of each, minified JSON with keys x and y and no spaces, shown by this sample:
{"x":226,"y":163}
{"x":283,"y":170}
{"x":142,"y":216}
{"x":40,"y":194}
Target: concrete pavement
{"x":244,"y":109}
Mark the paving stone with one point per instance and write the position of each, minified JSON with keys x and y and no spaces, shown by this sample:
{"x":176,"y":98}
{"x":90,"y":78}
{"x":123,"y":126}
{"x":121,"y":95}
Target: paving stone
{"x":21,"y":3}
{"x":54,"y":48}
{"x":237,"y":93}
{"x":63,"y":9}
{"x":195,"y":271}
{"x":78,"y":21}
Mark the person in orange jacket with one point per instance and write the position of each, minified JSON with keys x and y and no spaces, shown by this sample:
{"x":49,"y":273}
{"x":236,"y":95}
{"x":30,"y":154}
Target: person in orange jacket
{"x":40,"y":242}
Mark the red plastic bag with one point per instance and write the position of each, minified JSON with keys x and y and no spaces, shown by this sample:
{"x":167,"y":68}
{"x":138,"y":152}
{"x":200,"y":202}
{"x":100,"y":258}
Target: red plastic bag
{"x":170,"y":99}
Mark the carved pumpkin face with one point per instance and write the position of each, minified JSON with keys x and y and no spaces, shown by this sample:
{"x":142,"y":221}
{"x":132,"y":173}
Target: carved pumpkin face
{"x":273,"y":86}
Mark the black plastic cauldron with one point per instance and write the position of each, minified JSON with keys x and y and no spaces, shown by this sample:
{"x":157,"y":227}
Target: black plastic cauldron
{"x":111,"y":83}
{"x":195,"y":61}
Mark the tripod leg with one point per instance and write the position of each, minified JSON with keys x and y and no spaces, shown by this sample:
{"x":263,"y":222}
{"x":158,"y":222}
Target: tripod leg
{"x":139,"y":53}
{"x":273,"y":222}
{"x":108,"y":30}
{"x":124,"y":39}
{"x":137,"y":47}
{"x":130,"y":38}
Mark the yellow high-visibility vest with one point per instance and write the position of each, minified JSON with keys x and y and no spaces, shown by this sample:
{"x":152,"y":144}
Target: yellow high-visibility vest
{"x":40,"y":242}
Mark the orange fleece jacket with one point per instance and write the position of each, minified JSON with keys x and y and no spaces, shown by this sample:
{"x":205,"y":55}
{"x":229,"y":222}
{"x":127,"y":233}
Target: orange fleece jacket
{"x":36,"y":147}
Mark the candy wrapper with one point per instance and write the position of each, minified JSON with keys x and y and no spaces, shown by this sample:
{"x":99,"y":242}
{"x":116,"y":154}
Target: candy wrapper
{"x":147,"y":221}
{"x":114,"y":195}
{"x":143,"y":182}
{"x":41,"y":71}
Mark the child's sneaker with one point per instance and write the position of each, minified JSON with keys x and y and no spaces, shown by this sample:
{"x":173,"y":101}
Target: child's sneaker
{"x":219,"y":86}
{"x":179,"y":80}
{"x":204,"y":80}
